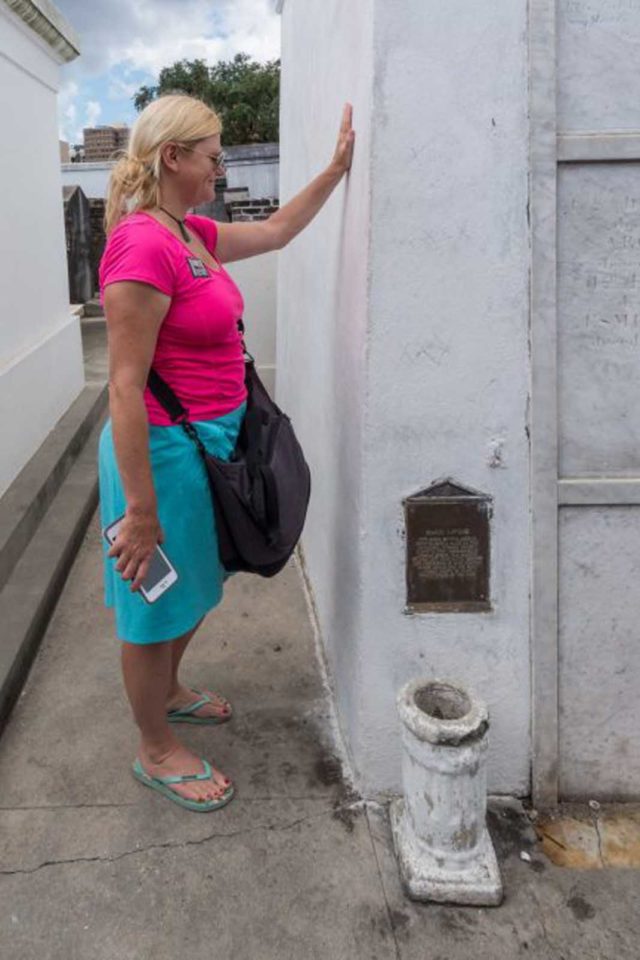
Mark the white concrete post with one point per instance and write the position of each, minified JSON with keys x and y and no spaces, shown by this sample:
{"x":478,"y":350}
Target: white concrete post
{"x":439,"y":827}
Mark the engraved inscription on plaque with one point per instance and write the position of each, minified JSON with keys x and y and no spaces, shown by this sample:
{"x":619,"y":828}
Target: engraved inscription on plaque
{"x":447,"y":549}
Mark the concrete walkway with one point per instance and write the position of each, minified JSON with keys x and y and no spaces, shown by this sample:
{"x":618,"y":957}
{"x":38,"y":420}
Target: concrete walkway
{"x":96,"y":867}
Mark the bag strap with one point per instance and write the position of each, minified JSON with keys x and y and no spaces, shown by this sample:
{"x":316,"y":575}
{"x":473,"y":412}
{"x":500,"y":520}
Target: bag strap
{"x":165,"y":396}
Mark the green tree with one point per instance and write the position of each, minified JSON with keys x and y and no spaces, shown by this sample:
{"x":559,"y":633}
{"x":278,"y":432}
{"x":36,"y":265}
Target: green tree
{"x":245,"y":94}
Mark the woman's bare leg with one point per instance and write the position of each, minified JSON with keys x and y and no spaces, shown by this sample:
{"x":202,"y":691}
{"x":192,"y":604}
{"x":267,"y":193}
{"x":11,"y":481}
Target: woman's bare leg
{"x":180,"y":695}
{"x":147,"y":676}
{"x":178,"y":647}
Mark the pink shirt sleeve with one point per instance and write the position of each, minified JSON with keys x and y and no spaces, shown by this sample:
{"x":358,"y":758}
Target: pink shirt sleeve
{"x":137,"y":252}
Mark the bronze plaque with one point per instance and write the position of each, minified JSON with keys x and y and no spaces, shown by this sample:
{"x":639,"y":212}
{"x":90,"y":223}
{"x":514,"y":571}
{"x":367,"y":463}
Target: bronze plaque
{"x":447,"y":549}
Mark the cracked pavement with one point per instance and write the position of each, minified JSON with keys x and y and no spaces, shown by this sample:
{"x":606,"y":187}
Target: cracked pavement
{"x":93,"y":864}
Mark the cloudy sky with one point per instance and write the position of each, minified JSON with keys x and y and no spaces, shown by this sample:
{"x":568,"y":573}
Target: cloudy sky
{"x":125,"y":45}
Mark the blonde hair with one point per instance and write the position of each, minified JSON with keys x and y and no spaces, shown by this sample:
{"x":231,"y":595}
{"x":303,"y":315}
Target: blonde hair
{"x":135,"y":180}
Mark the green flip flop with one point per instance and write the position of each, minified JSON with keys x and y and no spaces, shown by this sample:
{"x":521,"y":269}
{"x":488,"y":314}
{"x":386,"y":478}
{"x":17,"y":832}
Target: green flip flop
{"x":160,"y":784}
{"x":185,"y":714}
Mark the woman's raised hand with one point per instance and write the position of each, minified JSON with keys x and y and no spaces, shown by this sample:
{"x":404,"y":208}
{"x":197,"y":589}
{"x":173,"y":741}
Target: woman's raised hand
{"x":346,"y":138}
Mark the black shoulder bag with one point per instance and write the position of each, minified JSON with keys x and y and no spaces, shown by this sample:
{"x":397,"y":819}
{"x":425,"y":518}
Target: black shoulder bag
{"x":261,"y":494}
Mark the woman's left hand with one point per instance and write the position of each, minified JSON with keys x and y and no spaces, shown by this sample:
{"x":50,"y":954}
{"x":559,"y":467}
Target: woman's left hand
{"x":346,"y":137}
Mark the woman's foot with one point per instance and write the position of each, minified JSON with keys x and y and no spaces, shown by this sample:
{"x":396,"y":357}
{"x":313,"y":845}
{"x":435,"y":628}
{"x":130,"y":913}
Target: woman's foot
{"x":182,"y":696}
{"x":177,"y":761}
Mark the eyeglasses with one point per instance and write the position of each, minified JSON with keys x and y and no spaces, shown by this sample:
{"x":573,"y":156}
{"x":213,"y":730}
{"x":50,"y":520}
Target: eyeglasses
{"x":218,"y":159}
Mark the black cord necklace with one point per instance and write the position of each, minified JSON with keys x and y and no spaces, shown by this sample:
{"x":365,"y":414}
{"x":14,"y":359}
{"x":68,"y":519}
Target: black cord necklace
{"x":183,"y":229}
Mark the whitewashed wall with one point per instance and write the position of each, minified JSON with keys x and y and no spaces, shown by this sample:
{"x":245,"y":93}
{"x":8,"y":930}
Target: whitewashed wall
{"x":598,"y":385}
{"x":261,"y":178}
{"x":257,"y":278}
{"x":324,"y":319}
{"x":403,"y":344}
{"x":41,"y":369}
{"x":92,"y":178}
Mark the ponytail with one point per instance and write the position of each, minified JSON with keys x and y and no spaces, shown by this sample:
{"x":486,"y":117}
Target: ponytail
{"x":133,"y":184}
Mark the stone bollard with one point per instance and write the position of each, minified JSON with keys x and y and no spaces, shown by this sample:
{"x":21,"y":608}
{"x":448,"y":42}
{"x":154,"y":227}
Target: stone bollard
{"x":440,"y":835}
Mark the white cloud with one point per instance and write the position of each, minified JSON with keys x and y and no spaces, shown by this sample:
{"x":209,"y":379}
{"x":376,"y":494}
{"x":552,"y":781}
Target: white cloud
{"x":253,"y":28}
{"x":68,"y":112}
{"x":249,"y":26}
{"x":119,"y":89}
{"x":93,"y":111}
{"x":151,"y":34}
{"x":165,"y":51}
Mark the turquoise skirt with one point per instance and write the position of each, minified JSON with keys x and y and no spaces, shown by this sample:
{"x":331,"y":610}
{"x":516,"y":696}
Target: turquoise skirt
{"x":185,"y":511}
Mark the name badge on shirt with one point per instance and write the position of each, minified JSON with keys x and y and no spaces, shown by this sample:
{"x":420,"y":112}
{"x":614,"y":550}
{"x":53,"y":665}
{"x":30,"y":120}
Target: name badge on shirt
{"x":197,"y":267}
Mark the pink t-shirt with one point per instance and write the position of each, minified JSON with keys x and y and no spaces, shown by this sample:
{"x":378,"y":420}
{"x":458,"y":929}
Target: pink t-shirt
{"x":198,"y":351}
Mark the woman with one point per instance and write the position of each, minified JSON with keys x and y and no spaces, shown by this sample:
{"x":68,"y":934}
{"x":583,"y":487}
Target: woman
{"x":169,"y":303}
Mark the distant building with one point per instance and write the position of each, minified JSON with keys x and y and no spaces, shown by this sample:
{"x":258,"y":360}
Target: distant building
{"x":101,"y":143}
{"x":64,"y":151}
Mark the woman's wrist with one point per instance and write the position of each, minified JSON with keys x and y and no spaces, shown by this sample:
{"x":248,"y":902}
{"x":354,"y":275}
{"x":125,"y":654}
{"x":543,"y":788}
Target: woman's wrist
{"x":142,"y":508}
{"x":335,"y":171}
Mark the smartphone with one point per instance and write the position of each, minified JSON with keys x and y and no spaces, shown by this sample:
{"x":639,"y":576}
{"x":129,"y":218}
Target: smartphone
{"x":161,"y":574}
